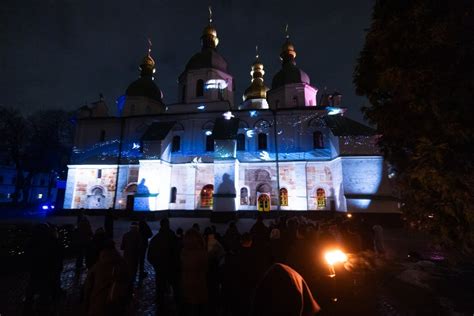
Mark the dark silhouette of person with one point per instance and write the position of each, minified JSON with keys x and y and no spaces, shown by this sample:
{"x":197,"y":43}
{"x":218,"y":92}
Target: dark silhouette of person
{"x":231,"y":239}
{"x":163,"y":256}
{"x":283,"y":291}
{"x":109,"y":224}
{"x":45,"y":258}
{"x":196,"y":227}
{"x":241,"y":273}
{"x":81,"y":239}
{"x":108,"y":286}
{"x":95,"y":247}
{"x":194,"y":268}
{"x":260,"y":232}
{"x":146,"y":233}
{"x":132,"y":245}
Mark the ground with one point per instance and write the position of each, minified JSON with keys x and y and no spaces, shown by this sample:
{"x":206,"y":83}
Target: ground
{"x":397,"y":287}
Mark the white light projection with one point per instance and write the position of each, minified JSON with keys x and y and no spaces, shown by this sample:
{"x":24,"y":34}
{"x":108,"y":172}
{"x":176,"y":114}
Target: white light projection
{"x":361,"y":176}
{"x":216,"y":84}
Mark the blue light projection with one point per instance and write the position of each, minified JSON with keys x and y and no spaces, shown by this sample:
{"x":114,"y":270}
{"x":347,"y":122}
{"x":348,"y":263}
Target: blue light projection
{"x":253,"y":113}
{"x":120,"y":104}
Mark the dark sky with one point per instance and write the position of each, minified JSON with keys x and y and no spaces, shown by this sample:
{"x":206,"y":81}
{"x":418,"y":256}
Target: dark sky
{"x":63,"y":53}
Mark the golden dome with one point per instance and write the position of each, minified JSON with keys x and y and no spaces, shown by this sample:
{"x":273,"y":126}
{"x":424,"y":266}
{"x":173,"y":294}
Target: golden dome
{"x":209,"y":37}
{"x":209,"y":30}
{"x":148,"y":62}
{"x":257,"y":89}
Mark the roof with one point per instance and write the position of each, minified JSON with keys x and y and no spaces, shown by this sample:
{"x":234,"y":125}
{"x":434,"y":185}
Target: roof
{"x":207,"y":58}
{"x":343,"y":126}
{"x":225,"y":129}
{"x":144,"y":87}
{"x":288,"y":74}
{"x":157,"y":130}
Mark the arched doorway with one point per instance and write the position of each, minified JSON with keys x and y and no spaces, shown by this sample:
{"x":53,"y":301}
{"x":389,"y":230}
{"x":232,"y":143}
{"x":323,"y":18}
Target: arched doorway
{"x":321,"y":198}
{"x":206,"y":195}
{"x":263,"y":203}
{"x":96,"y":200}
{"x":129,"y":192}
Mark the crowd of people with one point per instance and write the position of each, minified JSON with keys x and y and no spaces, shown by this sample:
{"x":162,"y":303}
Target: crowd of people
{"x":200,"y":271}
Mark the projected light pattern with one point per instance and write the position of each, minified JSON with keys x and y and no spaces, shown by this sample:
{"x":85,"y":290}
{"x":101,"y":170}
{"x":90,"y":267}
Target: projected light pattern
{"x":215,"y":84}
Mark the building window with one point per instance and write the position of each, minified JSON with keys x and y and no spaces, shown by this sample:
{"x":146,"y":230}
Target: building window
{"x":244,"y":196}
{"x":173,"y":195}
{"x":209,"y":143}
{"x":206,"y":195}
{"x":295,"y":100}
{"x":263,"y":203}
{"x":40,"y":196}
{"x":318,"y":141}
{"x":262,"y":141}
{"x":283,"y":197}
{"x":132,"y":109}
{"x":99,"y":173}
{"x":14,"y":180}
{"x":102,"y":135}
{"x":42,"y":182}
{"x":241,"y":142}
{"x":1,"y":179}
{"x":176,"y":144}
{"x":200,"y":88}
{"x":321,"y":198}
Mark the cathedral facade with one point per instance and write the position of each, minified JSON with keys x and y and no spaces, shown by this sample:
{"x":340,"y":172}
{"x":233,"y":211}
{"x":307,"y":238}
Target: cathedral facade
{"x":284,"y":148}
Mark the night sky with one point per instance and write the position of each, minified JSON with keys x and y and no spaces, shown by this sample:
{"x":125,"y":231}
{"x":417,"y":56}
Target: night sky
{"x":63,"y":53}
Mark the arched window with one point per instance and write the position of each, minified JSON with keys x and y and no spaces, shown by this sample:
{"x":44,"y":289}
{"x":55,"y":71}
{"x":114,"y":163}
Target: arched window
{"x":209,"y":143}
{"x":244,"y":196}
{"x":102,"y":135}
{"x":176,"y":144}
{"x":321,"y":198}
{"x":318,"y":141}
{"x":173,"y":195}
{"x":263,"y":203}
{"x":241,"y":142}
{"x":206,"y":195}
{"x":262,"y":141}
{"x":283,"y":197}
{"x":200,"y":88}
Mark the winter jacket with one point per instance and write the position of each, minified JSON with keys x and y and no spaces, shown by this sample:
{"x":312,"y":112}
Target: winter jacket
{"x":283,"y":292}
{"x":107,"y":277}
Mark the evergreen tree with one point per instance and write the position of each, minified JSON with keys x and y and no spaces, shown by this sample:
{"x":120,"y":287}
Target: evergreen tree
{"x":417,"y":70}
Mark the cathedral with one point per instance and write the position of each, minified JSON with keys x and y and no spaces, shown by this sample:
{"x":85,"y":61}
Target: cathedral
{"x":281,"y":148}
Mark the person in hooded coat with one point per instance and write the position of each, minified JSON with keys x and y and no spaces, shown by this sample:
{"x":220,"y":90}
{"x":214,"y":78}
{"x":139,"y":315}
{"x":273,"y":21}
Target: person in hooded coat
{"x":146,"y":233}
{"x":283,"y":292}
{"x":132,"y":245}
{"x":95,"y":247}
{"x":194,"y":268}
{"x":163,"y":256}
{"x":107,"y":289}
